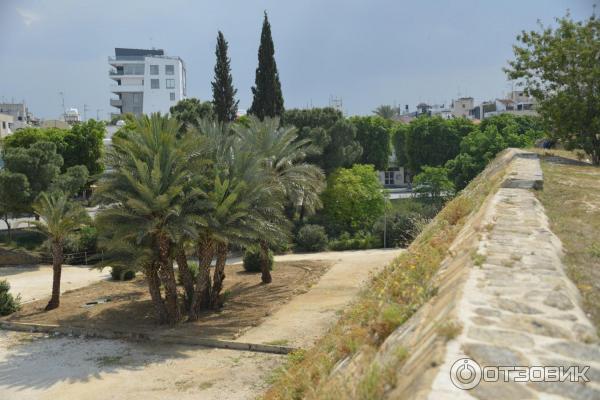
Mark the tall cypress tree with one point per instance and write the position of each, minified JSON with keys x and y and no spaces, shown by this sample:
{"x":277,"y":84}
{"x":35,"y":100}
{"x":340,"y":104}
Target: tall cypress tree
{"x":225,"y":105}
{"x":268,"y":100}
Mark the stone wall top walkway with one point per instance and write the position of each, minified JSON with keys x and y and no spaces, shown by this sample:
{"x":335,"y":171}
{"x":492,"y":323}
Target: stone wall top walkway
{"x":517,"y":306}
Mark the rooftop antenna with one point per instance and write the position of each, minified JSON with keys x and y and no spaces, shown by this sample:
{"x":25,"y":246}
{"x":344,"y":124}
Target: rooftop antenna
{"x":62,"y":95}
{"x":85,"y":110}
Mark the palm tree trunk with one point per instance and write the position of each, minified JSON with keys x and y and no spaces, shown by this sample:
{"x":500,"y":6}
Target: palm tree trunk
{"x":219,"y":275}
{"x":151,"y":272}
{"x":167,"y":276}
{"x":57,"y":259}
{"x":186,"y":276}
{"x":202,"y":290}
{"x":264,"y":263}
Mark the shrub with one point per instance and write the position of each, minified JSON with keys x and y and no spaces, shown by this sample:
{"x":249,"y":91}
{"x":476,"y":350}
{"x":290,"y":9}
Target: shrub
{"x":8,"y":303}
{"x":252,"y":260}
{"x":120,"y":273}
{"x":311,"y":238}
{"x":400,"y":228}
{"x":360,"y":241}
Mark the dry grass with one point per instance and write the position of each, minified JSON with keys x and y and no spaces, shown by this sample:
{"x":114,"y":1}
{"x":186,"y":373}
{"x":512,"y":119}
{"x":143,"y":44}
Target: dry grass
{"x":571,"y":197}
{"x":389,"y":300}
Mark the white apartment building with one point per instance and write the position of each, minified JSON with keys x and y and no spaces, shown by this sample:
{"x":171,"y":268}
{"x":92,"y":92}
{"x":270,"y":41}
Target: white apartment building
{"x":145,"y":81}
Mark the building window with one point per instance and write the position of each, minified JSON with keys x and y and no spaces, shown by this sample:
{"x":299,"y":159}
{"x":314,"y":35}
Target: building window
{"x":172,"y":96}
{"x":389,"y":178}
{"x":170,"y":83}
{"x":169,"y":70}
{"x":154,"y":70}
{"x":154,"y":84}
{"x":4,"y":122}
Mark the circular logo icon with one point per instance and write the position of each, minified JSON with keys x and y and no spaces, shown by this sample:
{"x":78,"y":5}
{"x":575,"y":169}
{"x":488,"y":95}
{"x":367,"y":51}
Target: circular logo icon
{"x":465,"y":374}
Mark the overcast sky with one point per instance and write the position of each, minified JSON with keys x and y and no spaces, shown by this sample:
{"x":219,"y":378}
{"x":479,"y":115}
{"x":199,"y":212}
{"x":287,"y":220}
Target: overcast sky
{"x":367,"y":53}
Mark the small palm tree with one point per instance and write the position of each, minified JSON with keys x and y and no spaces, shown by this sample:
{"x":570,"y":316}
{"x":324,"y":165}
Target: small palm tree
{"x":282,"y":157}
{"x":58,"y":218}
{"x":148,"y":188}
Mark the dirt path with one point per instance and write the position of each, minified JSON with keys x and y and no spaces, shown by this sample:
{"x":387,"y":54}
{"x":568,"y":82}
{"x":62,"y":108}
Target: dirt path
{"x":306,"y":317}
{"x":34,"y":283}
{"x":39,"y":367}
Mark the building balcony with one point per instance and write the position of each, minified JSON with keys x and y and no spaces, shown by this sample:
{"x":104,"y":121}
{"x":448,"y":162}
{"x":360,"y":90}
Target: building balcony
{"x":116,"y":102}
{"x":126,"y":88}
{"x":120,"y":74}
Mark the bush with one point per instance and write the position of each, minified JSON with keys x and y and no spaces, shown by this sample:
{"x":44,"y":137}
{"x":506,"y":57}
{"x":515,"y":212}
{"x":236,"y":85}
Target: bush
{"x":400,"y":228}
{"x":360,"y":241}
{"x":8,"y":303}
{"x":120,"y":273}
{"x":252,"y":260}
{"x":311,"y":238}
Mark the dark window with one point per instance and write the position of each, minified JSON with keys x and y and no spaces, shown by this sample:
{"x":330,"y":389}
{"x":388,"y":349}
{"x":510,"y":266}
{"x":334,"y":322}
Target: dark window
{"x":154,"y":70}
{"x":172,"y":96}
{"x":169,"y":70}
{"x":154,"y":84}
{"x":170,"y":84}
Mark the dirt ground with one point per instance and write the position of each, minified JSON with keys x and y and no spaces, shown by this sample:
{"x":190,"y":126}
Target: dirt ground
{"x":247,"y":303}
{"x":36,"y":366}
{"x":571,"y":197}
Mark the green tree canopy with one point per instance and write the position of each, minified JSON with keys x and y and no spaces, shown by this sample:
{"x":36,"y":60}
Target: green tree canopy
{"x":373,"y":134}
{"x":268,"y":99}
{"x":343,"y":149}
{"x":80,"y":145}
{"x":39,"y":163}
{"x":189,"y":111}
{"x":433,"y":184}
{"x":398,"y":133}
{"x":14,"y":196}
{"x":560,"y":68}
{"x":433,"y":141}
{"x":224,"y":103}
{"x":353,"y":200}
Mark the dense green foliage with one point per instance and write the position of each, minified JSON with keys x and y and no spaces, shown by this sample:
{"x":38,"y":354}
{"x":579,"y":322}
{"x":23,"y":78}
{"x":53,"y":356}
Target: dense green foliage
{"x":433,"y":141}
{"x":224,"y":103}
{"x":398,"y":134}
{"x":311,"y":238}
{"x":14,"y":196}
{"x":268,"y":99}
{"x":373,"y":134}
{"x":559,"y":67}
{"x":8,"y":303}
{"x":188,"y":112}
{"x":80,"y":145}
{"x":433,"y":184}
{"x":493,"y":135}
{"x":353,"y":200}
{"x":253,"y":260}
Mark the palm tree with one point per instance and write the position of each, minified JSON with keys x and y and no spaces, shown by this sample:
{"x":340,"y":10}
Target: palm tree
{"x":58,"y":218}
{"x":147,"y":188}
{"x":282,"y":157}
{"x":387,"y":111}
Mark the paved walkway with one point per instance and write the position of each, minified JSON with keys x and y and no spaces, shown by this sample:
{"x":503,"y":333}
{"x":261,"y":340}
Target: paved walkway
{"x":518,"y":307}
{"x":307,"y":316}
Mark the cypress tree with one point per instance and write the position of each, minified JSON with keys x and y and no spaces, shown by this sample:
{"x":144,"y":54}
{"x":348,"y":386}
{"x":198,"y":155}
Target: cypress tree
{"x":225,"y":105}
{"x":268,"y":100}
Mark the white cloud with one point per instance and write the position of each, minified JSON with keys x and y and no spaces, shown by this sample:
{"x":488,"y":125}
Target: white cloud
{"x":28,"y":16}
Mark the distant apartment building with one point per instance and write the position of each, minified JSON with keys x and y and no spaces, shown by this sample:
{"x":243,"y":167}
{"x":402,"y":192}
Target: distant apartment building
{"x":20,"y":114}
{"x":6,"y":125}
{"x":462,"y":107}
{"x":145,"y":81}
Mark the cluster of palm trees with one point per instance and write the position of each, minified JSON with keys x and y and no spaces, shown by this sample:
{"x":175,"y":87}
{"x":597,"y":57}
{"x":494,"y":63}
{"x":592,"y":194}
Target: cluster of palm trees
{"x":168,"y":195}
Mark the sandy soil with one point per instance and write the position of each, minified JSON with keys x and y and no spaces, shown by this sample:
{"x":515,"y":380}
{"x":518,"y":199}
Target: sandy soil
{"x":248,"y":303}
{"x":39,"y":367}
{"x":34,"y":283}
